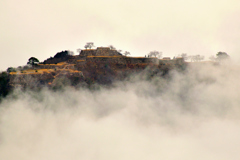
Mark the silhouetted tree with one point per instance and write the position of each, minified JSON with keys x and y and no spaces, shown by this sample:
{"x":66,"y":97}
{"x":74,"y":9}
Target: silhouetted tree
{"x":184,"y":56}
{"x":222,"y":56}
{"x":11,"y":69}
{"x":33,"y":61}
{"x":4,"y":84}
{"x":199,"y":58}
{"x":112,"y":47}
{"x":155,"y":54}
{"x":89,"y":45}
{"x":196,"y":58}
{"x":62,"y":54}
{"x":126,"y":53}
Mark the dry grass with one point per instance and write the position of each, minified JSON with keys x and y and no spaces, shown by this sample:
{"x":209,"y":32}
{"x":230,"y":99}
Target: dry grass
{"x":32,"y":71}
{"x":58,"y":64}
{"x":70,"y":70}
{"x":105,"y":56}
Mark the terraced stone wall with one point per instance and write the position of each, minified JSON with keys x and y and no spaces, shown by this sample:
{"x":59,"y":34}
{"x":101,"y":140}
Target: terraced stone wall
{"x":100,"y":51}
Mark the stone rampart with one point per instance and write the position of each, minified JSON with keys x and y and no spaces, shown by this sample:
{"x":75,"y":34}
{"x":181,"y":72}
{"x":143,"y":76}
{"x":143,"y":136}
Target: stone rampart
{"x":100,"y":51}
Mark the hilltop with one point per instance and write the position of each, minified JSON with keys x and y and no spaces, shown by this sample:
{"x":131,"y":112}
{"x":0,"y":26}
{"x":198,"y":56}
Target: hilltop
{"x":102,"y":65}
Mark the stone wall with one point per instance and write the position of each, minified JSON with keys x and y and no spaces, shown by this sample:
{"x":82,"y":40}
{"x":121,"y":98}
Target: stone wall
{"x":107,"y":59}
{"x":100,"y":51}
{"x":88,"y":52}
{"x":139,"y":60}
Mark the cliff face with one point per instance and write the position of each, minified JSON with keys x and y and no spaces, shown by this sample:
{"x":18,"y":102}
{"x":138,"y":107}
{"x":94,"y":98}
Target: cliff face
{"x":101,"y":65}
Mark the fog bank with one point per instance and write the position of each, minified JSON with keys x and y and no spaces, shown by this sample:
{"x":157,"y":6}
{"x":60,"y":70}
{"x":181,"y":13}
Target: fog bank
{"x":192,"y":115}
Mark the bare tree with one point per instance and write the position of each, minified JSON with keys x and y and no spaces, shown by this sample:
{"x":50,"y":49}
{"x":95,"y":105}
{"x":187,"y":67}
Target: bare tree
{"x":199,"y":58}
{"x":126,"y":53}
{"x":184,"y":56}
{"x":89,"y":45}
{"x":196,"y":58}
{"x":155,"y":54}
{"x":193,"y":58}
{"x":112,"y":47}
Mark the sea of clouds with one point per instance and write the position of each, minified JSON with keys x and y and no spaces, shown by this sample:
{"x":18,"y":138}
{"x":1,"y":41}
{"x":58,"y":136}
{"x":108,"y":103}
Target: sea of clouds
{"x":191,"y":115}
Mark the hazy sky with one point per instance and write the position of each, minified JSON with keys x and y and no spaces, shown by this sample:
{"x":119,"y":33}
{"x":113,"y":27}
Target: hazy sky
{"x":41,"y":28}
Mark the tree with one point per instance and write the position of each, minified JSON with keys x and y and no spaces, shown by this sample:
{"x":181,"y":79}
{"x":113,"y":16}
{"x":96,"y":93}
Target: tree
{"x":155,"y":54}
{"x":11,"y":69}
{"x":112,"y":47}
{"x":126,"y":53}
{"x":184,"y":56}
{"x":33,"y":61}
{"x":222,"y":56}
{"x":62,"y":54}
{"x":199,"y":58}
{"x":196,"y":58}
{"x":4,"y":84}
{"x":89,"y":45}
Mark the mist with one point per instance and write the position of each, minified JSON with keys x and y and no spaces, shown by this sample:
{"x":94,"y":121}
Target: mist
{"x":189,"y":115}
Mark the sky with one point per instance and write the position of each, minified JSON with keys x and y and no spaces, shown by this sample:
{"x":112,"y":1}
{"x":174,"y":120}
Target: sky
{"x":41,"y":28}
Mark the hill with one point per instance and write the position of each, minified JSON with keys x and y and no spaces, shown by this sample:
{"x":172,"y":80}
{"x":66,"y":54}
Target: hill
{"x":102,"y":65}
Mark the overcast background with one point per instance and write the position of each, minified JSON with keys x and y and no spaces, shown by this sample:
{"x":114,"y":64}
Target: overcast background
{"x":41,"y":28}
